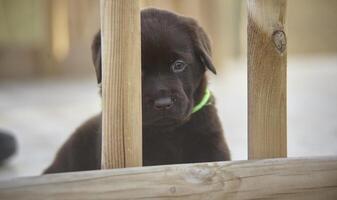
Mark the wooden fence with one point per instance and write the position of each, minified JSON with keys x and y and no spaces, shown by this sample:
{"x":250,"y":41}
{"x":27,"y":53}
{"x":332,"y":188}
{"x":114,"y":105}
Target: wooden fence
{"x":282,"y":178}
{"x":314,"y":178}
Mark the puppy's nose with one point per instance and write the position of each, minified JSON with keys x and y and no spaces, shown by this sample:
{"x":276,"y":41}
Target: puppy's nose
{"x":163,"y":103}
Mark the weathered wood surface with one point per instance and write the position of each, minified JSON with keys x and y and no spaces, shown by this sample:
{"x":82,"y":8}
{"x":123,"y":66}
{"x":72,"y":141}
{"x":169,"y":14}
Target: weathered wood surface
{"x":300,"y":178}
{"x":121,"y":89}
{"x":267,"y":79}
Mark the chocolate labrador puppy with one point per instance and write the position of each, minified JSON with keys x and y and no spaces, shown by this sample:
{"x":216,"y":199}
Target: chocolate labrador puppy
{"x":180,"y":122}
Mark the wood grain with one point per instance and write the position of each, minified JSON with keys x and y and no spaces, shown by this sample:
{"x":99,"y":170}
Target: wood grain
{"x":121,"y":89}
{"x":267,"y":76}
{"x":288,"y":179}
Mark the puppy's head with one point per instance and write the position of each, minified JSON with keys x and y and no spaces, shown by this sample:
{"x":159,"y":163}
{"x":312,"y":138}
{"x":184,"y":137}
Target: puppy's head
{"x":175,"y":55}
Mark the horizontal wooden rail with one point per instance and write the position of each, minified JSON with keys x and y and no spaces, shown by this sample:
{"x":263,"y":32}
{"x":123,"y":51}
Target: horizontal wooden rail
{"x":296,"y":178}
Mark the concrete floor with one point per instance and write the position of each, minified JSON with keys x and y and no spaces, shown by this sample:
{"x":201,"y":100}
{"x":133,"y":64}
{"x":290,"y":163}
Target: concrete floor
{"x":43,"y":113}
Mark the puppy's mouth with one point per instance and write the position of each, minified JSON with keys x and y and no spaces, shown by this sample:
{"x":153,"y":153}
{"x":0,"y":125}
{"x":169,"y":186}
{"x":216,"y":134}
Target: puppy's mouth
{"x":166,"y":119}
{"x":166,"y":110}
{"x":163,"y":122}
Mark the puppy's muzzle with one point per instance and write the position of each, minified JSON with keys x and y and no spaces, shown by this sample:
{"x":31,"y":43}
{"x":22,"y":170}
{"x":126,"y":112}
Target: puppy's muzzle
{"x":164,"y":103}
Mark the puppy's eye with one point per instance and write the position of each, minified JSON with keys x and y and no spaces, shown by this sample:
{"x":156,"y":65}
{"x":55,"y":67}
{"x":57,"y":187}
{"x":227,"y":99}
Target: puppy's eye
{"x":178,"y":66}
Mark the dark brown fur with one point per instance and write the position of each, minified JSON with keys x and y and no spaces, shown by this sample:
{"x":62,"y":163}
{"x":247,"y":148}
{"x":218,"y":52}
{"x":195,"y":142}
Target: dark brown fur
{"x":173,"y":135}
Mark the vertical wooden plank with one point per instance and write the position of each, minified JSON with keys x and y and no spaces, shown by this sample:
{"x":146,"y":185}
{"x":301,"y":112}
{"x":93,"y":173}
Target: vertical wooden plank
{"x":121,"y":89}
{"x":60,"y":29}
{"x":267,"y":62}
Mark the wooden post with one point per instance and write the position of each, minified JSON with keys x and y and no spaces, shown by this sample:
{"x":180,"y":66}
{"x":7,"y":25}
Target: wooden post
{"x":121,"y":104}
{"x":267,"y":61}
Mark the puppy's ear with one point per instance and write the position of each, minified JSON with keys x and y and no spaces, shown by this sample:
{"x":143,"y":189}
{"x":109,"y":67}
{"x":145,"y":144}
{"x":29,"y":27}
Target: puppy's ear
{"x":96,"y":56}
{"x":202,"y":44}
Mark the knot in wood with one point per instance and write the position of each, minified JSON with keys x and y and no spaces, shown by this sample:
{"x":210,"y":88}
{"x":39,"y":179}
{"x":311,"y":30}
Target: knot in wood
{"x":201,"y":174}
{"x":280,"y":41}
{"x":173,"y":190}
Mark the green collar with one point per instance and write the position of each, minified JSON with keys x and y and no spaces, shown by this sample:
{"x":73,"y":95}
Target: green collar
{"x":204,"y":101}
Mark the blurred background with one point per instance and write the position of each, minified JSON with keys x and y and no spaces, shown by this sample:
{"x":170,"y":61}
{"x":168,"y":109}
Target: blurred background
{"x":48,"y":85}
